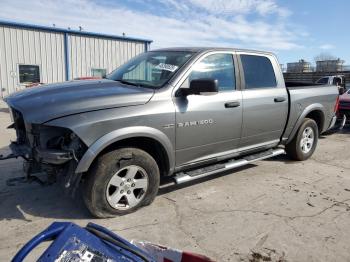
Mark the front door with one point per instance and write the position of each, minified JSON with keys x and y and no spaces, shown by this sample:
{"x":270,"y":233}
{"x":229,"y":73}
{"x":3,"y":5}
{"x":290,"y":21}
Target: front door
{"x":209,"y":125}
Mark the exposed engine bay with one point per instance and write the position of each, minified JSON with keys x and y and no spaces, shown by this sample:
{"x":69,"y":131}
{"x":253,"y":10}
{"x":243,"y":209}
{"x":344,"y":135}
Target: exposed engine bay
{"x":50,"y":149}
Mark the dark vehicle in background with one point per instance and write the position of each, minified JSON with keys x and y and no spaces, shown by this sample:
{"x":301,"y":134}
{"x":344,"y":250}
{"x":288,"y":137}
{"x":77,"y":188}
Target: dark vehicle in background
{"x":185,"y":113}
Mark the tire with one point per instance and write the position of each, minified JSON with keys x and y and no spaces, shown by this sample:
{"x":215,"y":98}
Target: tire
{"x":128,"y":174}
{"x":302,"y":146}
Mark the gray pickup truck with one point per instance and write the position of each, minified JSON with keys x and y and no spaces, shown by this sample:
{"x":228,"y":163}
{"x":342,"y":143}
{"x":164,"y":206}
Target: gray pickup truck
{"x":186,"y":113}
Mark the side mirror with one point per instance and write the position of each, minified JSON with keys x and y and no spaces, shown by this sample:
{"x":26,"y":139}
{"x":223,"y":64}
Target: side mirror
{"x":205,"y":86}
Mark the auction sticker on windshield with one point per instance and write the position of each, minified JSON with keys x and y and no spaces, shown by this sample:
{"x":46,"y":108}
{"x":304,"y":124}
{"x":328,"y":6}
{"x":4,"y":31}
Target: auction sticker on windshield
{"x":166,"y":67}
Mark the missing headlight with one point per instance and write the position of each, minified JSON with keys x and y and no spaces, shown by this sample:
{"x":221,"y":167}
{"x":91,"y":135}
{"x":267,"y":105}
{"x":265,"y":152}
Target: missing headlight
{"x":58,"y":138}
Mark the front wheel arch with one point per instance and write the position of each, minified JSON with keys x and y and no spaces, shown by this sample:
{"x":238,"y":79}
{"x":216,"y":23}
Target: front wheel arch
{"x":149,"y":145}
{"x":120,"y":136}
{"x":96,"y":184}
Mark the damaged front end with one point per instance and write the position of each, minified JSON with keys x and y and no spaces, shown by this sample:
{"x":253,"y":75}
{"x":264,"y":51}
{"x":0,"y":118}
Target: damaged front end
{"x":53,"y":150}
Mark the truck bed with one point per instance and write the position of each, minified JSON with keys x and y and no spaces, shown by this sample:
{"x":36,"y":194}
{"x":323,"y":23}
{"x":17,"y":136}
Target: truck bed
{"x":321,"y":98}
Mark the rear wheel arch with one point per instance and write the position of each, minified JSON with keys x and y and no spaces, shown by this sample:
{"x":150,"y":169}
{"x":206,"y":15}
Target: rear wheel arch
{"x":305,"y":140}
{"x":315,"y":112}
{"x":318,"y":117}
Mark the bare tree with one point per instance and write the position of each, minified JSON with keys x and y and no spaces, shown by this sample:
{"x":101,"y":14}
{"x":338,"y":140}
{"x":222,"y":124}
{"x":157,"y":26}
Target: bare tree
{"x":324,"y":56}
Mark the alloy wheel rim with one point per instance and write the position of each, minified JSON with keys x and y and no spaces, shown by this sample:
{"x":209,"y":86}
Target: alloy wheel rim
{"x":307,"y":140}
{"x":127,"y":187}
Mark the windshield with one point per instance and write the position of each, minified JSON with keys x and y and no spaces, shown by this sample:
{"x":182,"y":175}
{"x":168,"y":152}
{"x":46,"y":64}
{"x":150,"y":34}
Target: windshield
{"x":151,"y":69}
{"x":323,"y":80}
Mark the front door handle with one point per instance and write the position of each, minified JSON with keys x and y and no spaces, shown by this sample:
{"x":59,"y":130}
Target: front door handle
{"x":232,"y":104}
{"x":279,"y":99}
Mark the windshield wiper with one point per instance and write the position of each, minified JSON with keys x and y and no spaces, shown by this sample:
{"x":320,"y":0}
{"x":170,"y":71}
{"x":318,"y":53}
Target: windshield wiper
{"x":127,"y":82}
{"x":134,"y":84}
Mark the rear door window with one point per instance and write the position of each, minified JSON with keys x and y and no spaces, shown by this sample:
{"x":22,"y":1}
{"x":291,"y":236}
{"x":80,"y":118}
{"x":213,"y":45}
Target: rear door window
{"x":258,"y":72}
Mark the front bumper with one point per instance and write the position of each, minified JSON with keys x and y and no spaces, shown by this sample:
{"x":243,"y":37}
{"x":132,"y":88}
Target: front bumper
{"x":46,"y":156}
{"x":344,"y":111}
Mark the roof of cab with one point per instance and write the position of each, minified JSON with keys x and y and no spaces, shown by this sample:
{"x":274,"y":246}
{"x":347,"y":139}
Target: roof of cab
{"x":208,"y":49}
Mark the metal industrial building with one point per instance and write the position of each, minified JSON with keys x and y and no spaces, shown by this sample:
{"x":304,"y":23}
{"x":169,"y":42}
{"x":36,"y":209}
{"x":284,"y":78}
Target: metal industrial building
{"x":335,"y":65}
{"x":31,"y":53}
{"x":299,"y":67}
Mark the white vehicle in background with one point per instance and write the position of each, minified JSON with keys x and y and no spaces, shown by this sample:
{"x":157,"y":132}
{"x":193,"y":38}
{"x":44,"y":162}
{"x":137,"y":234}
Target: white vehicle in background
{"x":338,"y":80}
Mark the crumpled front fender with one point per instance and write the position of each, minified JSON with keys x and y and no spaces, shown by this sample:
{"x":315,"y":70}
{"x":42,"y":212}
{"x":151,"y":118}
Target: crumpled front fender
{"x":121,"y":134}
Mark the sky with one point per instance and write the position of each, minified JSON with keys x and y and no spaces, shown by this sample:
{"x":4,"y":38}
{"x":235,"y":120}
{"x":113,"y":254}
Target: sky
{"x":294,"y":29}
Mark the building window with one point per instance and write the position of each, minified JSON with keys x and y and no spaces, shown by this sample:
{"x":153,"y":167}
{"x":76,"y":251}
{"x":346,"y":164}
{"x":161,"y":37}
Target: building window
{"x":98,"y":72}
{"x":29,"y":74}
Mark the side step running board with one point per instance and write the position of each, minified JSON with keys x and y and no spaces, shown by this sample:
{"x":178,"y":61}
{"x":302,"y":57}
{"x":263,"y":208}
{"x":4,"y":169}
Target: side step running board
{"x":211,"y":170}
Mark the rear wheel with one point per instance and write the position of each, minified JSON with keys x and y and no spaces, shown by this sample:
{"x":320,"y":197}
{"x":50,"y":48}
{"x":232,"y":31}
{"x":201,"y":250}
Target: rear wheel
{"x":120,"y":182}
{"x":305,"y":141}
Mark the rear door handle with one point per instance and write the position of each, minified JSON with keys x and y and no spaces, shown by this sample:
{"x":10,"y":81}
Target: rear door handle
{"x":279,"y":99}
{"x":232,"y":104}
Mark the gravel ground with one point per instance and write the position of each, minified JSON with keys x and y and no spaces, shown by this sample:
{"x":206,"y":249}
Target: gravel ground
{"x":274,"y":210}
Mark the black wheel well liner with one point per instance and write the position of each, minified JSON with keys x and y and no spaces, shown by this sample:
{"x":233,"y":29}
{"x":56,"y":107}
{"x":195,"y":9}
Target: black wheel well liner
{"x":149,"y":145}
{"x":318,"y":117}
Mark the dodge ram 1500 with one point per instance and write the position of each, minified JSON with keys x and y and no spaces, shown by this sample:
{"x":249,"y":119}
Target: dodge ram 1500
{"x":179,"y":112}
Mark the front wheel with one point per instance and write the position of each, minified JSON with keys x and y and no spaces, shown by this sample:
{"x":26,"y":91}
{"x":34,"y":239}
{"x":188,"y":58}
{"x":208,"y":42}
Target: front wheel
{"x":305,"y":141}
{"x":120,"y":182}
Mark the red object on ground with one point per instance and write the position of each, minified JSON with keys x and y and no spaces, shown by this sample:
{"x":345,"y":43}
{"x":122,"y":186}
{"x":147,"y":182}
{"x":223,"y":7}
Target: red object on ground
{"x":192,"y":257}
{"x":166,"y":254}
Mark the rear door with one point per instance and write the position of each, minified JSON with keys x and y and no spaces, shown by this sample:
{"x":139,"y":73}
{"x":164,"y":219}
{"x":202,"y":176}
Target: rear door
{"x":265,"y":100}
{"x":209,"y":125}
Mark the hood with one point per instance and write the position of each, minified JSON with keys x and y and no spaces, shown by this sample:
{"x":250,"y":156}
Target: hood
{"x":41,"y":104}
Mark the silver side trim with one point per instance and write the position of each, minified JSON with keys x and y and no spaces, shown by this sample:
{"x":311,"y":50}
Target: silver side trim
{"x":230,"y":165}
{"x":268,"y":144}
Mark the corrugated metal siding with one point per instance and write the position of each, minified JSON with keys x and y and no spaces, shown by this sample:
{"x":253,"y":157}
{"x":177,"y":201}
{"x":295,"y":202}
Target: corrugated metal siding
{"x":32,"y":47}
{"x":45,"y":48}
{"x":88,"y":52}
